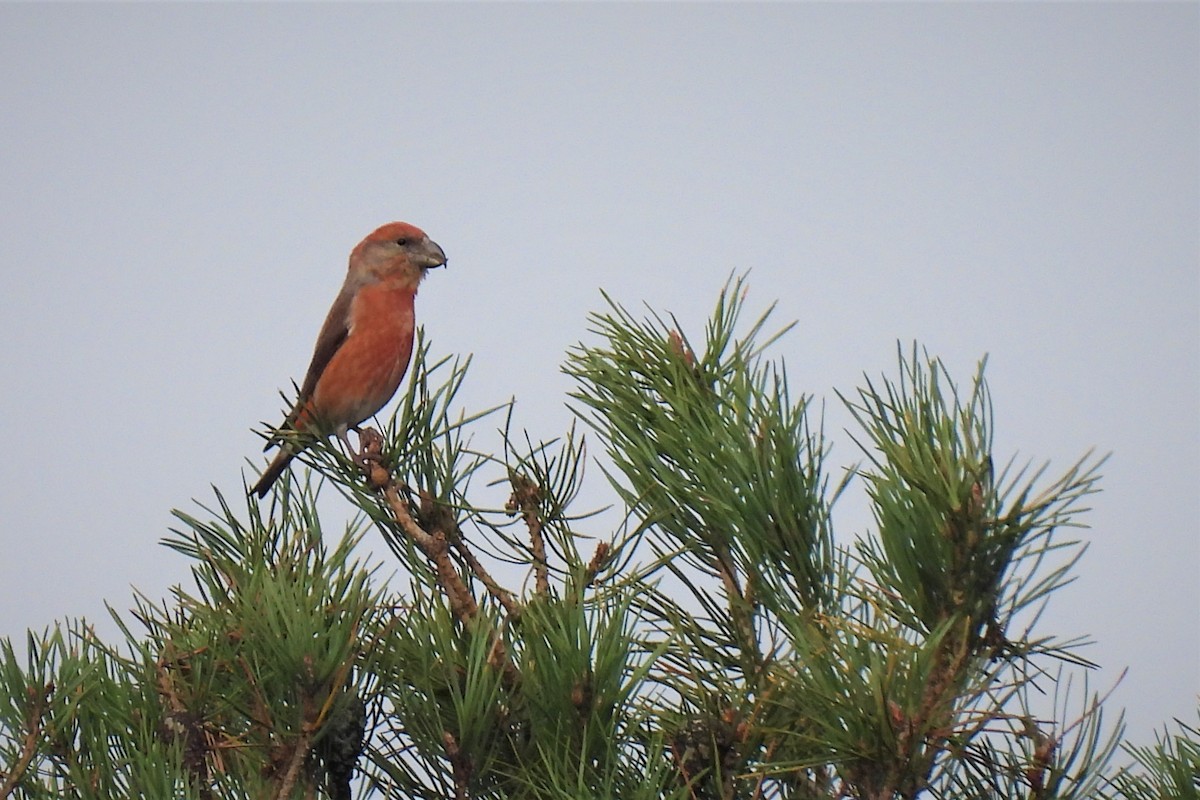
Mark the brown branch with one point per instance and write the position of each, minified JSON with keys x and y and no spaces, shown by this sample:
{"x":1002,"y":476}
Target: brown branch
{"x":527,"y":498}
{"x":459,"y":764}
{"x":436,"y":545}
{"x":299,"y":753}
{"x":728,"y":576}
{"x":436,"y":549}
{"x":29,"y":746}
{"x":502,"y":595}
{"x":920,"y":735}
{"x":1044,"y":747}
{"x":599,"y":558}
{"x":741,"y":606}
{"x":462,"y":603}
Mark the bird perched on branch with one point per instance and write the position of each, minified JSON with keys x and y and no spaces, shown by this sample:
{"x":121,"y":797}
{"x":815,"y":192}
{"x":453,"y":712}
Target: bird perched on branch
{"x":366,"y":342}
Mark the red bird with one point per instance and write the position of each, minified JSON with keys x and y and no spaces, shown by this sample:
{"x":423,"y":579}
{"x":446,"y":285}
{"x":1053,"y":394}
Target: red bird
{"x":366,"y":342}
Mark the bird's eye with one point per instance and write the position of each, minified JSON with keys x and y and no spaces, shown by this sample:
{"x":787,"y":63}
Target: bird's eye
{"x":402,"y":241}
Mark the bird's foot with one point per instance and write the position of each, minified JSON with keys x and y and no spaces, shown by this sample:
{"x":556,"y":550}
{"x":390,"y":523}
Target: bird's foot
{"x":370,"y":457}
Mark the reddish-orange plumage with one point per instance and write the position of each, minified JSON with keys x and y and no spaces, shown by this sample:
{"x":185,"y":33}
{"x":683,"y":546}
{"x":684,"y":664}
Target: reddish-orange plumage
{"x":366,"y":342}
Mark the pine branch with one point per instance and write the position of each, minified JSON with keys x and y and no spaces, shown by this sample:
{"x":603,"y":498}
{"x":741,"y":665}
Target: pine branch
{"x":715,"y":643}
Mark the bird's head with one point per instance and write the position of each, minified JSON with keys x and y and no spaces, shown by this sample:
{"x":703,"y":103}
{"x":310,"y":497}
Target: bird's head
{"x":396,"y":251}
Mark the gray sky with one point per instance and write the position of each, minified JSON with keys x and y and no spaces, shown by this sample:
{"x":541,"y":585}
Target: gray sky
{"x":182,"y":185}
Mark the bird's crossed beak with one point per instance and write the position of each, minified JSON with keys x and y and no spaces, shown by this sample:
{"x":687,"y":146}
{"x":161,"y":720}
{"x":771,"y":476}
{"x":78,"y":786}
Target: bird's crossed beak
{"x":430,"y":255}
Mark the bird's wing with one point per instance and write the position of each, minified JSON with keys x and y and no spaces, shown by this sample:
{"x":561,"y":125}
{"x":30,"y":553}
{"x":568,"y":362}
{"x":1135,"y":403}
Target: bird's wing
{"x":333,"y":334}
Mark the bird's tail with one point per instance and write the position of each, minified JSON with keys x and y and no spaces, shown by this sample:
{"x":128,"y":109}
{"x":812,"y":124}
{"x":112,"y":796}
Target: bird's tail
{"x":273,"y":471}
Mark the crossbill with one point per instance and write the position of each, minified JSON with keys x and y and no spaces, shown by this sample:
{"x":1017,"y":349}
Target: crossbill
{"x":366,"y":342}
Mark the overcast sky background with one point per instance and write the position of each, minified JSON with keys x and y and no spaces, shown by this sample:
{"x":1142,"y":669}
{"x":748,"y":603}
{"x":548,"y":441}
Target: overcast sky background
{"x":182,"y":185}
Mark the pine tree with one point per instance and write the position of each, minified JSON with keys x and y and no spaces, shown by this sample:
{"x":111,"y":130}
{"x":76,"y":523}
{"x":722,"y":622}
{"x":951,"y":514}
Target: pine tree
{"x":718,"y":643}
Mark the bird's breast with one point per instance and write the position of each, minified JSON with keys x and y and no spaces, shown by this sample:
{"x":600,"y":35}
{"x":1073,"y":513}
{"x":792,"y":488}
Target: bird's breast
{"x":367,"y":369}
{"x":381,"y":308}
